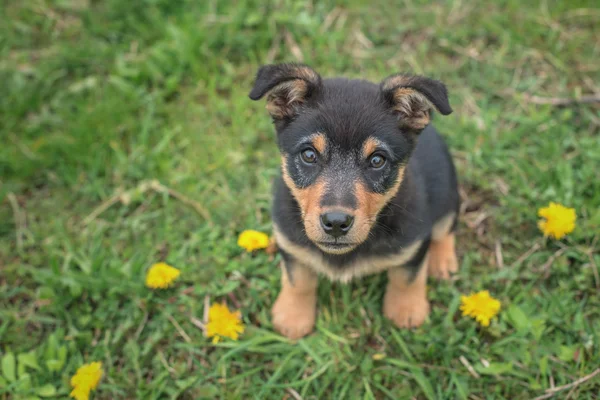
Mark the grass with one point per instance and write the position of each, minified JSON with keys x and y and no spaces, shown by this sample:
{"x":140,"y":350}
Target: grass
{"x":100,"y":98}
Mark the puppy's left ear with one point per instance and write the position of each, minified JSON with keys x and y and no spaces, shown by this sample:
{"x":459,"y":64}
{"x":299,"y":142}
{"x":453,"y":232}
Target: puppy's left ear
{"x":413,"y":97}
{"x":289,"y":86}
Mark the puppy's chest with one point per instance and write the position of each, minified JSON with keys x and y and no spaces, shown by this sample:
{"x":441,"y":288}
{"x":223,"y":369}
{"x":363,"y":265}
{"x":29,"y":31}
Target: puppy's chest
{"x":353,"y":266}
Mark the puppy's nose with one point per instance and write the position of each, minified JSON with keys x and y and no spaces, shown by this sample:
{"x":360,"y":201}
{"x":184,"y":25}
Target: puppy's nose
{"x":336,"y":224}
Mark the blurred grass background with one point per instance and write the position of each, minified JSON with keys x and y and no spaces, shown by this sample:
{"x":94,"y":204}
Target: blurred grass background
{"x":98,"y":98}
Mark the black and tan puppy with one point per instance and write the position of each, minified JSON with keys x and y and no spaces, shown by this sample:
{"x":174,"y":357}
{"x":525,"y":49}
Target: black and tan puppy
{"x":367,"y":186}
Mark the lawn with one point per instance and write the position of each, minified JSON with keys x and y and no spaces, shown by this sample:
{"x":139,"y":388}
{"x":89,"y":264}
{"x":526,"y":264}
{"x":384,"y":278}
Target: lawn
{"x":128,"y":138}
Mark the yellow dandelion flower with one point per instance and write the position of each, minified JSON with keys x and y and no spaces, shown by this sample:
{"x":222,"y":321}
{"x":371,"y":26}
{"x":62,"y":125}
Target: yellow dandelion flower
{"x":480,"y":306}
{"x":223,"y":323}
{"x":85,"y":380}
{"x":559,"y":220}
{"x":161,"y":276}
{"x":253,"y":240}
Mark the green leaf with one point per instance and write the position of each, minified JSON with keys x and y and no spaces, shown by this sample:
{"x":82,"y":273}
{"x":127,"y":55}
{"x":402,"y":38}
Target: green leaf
{"x":186,"y":383}
{"x":46,"y":292}
{"x":526,"y":357}
{"x":51,"y":347}
{"x":62,"y":355}
{"x":20,"y":369}
{"x":8,"y":367}
{"x":538,"y":326}
{"x":534,"y":385}
{"x":544,"y":365}
{"x":29,"y":360}
{"x":75,"y":289}
{"x":228,"y":287}
{"x":518,"y":319}
{"x":423,"y":383}
{"x":46,"y":391}
{"x":494,"y":368}
{"x":418,"y":375}
{"x":54,"y":365}
{"x":462,"y":390}
{"x":3,"y":382}
{"x":24,"y":383}
{"x":567,"y":353}
{"x":207,"y":392}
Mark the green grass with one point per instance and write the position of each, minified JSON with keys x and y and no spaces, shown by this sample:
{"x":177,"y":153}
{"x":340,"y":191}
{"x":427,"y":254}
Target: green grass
{"x":97,"y":98}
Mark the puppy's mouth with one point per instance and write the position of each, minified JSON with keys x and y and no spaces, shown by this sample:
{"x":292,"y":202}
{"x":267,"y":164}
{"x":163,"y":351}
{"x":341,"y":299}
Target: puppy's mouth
{"x":336,"y":247}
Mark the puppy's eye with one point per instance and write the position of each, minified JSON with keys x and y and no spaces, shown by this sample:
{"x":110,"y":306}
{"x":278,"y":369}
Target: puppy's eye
{"x":377,"y":161}
{"x":309,"y":156}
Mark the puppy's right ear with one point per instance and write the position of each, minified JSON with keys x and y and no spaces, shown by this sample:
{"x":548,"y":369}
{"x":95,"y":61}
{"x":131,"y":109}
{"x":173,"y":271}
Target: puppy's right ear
{"x":288,"y":87}
{"x":412,"y":98}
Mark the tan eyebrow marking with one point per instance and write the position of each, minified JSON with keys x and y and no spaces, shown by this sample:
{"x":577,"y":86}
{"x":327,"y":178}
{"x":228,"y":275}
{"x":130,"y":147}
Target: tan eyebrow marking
{"x":319,"y":142}
{"x":369,"y":146}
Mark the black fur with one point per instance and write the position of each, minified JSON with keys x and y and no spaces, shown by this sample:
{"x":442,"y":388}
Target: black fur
{"x":348,"y":112}
{"x":428,"y":193}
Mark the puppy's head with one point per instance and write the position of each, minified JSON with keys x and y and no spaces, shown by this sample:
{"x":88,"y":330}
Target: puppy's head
{"x":345,"y":144}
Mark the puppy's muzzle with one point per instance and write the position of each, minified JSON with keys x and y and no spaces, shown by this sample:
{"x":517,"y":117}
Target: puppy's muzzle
{"x":336,"y":224}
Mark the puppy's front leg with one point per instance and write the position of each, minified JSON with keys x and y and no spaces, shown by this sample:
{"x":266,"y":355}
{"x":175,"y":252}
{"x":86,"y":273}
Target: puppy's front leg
{"x":294,"y":311}
{"x":405,"y":301}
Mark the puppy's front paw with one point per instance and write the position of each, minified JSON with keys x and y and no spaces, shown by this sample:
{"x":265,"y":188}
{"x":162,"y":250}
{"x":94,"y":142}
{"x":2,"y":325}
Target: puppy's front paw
{"x":442,"y":258}
{"x":442,"y":264}
{"x":405,"y":311}
{"x":294,"y":315}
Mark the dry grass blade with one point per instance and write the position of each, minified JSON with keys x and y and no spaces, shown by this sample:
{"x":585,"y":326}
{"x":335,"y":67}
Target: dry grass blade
{"x":546,"y":267}
{"x":157,"y":186}
{"x":525,"y":255}
{"x":561,"y":101}
{"x":274,"y":50}
{"x":164,"y":362}
{"x":293,"y":393}
{"x":206,"y":309}
{"x":179,"y":329}
{"x":553,"y":391}
{"x":553,"y":101}
{"x":103,"y":207}
{"x":468,"y":366}
{"x":499,"y":256}
{"x":294,"y":48}
{"x":330,"y":19}
{"x":124,"y":197}
{"x":198,"y":324}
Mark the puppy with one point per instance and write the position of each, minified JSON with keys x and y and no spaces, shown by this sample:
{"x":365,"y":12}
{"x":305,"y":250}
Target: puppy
{"x":367,"y":185}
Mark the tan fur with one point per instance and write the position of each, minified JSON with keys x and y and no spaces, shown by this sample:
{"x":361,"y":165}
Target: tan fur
{"x":369,"y":147}
{"x":396,"y":81}
{"x":284,"y":98}
{"x":442,"y":227}
{"x":307,"y":74}
{"x":405,"y":301}
{"x":442,"y":253}
{"x":308,"y":198}
{"x":442,"y":260}
{"x":370,"y":204}
{"x":319,"y":142}
{"x":294,"y":311}
{"x":359,"y":267}
{"x":413,"y":106}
